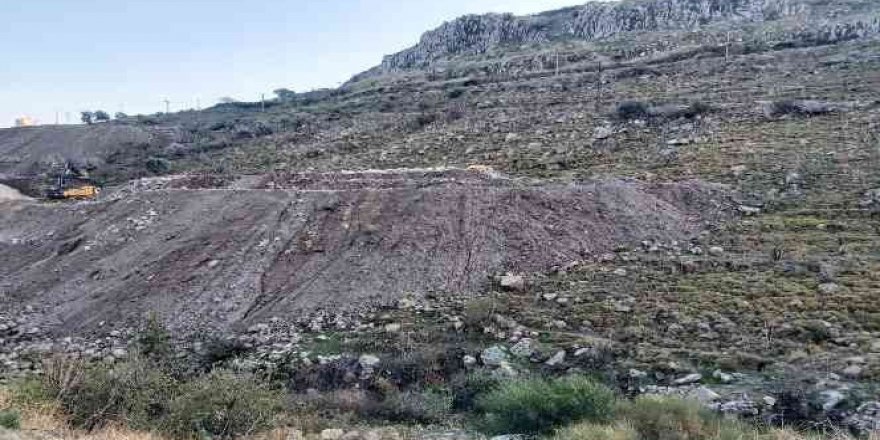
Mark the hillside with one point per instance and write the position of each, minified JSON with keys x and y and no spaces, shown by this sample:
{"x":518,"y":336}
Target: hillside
{"x":677,"y":195}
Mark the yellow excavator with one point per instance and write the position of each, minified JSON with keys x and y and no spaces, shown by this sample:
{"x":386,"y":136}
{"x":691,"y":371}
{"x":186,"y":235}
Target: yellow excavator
{"x":72,"y":184}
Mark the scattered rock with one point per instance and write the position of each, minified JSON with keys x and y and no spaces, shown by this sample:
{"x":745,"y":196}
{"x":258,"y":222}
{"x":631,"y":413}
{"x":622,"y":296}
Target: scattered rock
{"x":602,"y":132}
{"x":852,"y":371}
{"x":523,"y":348}
{"x":829,"y":288}
{"x":493,"y":356}
{"x":557,"y":359}
{"x":704,"y":395}
{"x":468,"y":360}
{"x":513,"y":282}
{"x":722,"y":376}
{"x":332,"y":434}
{"x":368,"y":361}
{"x":689,"y":379}
{"x":829,"y":399}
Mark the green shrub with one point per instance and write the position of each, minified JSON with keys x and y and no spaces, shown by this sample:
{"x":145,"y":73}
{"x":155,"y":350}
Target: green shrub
{"x":10,"y":419}
{"x":630,"y":110}
{"x":592,"y":431}
{"x":675,"y":419}
{"x":29,"y":392}
{"x":134,"y":391}
{"x":222,"y":405}
{"x":153,"y":339}
{"x":158,"y":165}
{"x":466,"y":387}
{"x":534,"y":406}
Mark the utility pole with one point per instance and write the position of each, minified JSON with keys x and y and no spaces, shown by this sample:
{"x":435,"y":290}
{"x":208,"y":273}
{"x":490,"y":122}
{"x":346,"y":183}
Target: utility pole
{"x":599,"y":87}
{"x":167,"y":106}
{"x":557,"y":63}
{"x":263,"y":103}
{"x":727,"y":48}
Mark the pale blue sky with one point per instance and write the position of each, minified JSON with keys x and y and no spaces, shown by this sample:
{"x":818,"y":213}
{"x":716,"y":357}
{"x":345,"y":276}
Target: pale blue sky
{"x":128,"y":55}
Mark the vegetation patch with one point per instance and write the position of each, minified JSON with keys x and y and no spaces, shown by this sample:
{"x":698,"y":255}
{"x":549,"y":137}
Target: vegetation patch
{"x":538,"y":405}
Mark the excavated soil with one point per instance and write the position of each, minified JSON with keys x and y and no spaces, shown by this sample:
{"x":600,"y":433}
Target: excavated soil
{"x":214,"y":252}
{"x":9,"y":194}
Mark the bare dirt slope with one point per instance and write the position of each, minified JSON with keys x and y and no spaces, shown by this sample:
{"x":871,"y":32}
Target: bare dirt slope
{"x":222,"y":256}
{"x":30,"y":149}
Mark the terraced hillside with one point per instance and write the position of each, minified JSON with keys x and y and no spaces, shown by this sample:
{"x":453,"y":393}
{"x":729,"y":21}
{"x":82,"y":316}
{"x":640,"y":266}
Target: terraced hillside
{"x":775,"y":308}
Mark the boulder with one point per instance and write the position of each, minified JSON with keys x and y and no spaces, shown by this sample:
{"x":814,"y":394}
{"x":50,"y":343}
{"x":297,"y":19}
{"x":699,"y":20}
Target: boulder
{"x":493,"y":356}
{"x":515,"y":283}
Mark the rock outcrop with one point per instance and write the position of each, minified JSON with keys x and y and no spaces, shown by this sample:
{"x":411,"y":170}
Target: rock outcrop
{"x":476,"y":34}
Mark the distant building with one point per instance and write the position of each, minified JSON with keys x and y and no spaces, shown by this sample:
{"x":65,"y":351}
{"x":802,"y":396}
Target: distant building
{"x":25,"y":121}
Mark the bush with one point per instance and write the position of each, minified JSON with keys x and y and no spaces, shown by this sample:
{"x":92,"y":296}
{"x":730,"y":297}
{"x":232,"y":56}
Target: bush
{"x":158,"y":165}
{"x":10,"y":419}
{"x":673,"y":111}
{"x":455,"y":93}
{"x":134,"y":391}
{"x":466,"y":387}
{"x":591,"y":431}
{"x":676,"y":419}
{"x":478,"y":312}
{"x":421,"y":121}
{"x":431,"y":406}
{"x":534,"y":406}
{"x":219,"y":350}
{"x":629,"y":110}
{"x":222,"y":405}
{"x":797,"y":107}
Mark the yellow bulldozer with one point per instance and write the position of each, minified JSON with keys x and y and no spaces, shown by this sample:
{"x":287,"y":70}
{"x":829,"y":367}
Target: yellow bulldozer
{"x":72,"y":184}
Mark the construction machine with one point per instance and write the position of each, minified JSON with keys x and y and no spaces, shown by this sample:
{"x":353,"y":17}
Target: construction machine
{"x":73,"y":184}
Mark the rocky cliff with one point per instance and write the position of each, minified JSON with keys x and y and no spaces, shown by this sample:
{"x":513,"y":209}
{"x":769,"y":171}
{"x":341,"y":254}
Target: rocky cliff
{"x":475,"y":34}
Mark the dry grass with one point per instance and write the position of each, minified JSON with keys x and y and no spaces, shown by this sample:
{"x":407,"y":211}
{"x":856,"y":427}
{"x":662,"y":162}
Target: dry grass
{"x":47,"y":420}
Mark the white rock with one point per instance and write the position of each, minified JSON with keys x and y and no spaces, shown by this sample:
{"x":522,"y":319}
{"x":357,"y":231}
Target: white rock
{"x":852,"y":371}
{"x":368,"y":361}
{"x":829,"y":288}
{"x":523,"y":348}
{"x":493,"y":356}
{"x":602,"y":132}
{"x":332,"y":434}
{"x":722,"y":376}
{"x":831,"y":398}
{"x":557,"y":359}
{"x":513,"y":282}
{"x":716,"y":251}
{"x":704,"y":395}
{"x":689,"y":379}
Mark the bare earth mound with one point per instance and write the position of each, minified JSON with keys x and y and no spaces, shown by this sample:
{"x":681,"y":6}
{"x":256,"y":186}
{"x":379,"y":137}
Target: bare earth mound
{"x":8,"y":194}
{"x":233,"y":253}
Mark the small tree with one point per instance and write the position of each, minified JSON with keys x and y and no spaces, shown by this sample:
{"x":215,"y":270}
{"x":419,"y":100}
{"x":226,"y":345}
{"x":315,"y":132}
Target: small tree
{"x":285,"y":95}
{"x":120,"y":115}
{"x":87,"y":117}
{"x":102,"y":116}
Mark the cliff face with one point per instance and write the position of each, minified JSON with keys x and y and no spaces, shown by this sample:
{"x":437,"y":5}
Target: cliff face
{"x":475,"y":34}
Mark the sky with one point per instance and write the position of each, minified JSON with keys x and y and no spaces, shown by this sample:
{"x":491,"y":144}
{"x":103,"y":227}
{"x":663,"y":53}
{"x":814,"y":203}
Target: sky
{"x":60,"y":57}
